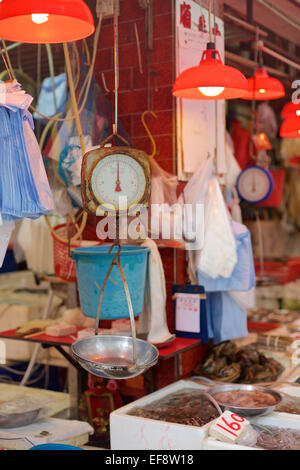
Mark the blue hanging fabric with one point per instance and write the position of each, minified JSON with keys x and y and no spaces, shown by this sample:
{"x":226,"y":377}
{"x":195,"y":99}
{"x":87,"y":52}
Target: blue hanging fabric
{"x":24,"y":188}
{"x":225,"y":318}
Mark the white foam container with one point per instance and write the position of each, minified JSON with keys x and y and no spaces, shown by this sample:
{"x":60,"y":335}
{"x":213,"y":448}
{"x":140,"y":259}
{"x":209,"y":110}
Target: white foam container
{"x":279,"y":420}
{"x":137,"y":433}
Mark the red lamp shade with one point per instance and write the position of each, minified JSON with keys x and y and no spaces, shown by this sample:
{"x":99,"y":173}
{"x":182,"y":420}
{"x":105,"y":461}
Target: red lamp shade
{"x":291,"y":127}
{"x":263,"y":87}
{"x":290,"y":109}
{"x":210,"y":80}
{"x":45,"y":21}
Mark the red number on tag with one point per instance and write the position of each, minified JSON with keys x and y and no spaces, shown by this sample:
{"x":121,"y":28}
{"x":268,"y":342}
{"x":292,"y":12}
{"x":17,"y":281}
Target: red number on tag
{"x":232,"y":425}
{"x":233,"y":433}
{"x":237,"y":418}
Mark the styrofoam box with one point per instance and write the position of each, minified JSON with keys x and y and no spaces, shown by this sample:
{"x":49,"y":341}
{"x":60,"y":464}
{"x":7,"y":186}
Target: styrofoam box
{"x":279,"y":420}
{"x":137,"y":433}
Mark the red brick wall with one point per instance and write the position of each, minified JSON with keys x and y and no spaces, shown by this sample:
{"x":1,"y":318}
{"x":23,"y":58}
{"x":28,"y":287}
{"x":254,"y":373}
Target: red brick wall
{"x":133,"y":94}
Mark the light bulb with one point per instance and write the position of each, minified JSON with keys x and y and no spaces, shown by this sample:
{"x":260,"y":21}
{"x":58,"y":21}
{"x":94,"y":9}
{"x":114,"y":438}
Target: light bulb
{"x":211,"y":90}
{"x":298,"y":112}
{"x":39,"y":18}
{"x":262,"y":91}
{"x":298,"y":131}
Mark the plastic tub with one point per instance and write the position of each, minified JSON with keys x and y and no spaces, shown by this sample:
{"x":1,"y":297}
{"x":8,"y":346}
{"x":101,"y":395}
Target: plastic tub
{"x":92,"y":265}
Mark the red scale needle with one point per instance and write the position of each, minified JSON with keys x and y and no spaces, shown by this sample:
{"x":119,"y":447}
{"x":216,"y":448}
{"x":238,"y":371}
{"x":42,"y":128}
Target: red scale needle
{"x":118,"y":187}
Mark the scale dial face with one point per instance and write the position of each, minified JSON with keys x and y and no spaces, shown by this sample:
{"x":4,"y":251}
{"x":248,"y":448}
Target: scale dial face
{"x":118,"y":175}
{"x":255,"y":184}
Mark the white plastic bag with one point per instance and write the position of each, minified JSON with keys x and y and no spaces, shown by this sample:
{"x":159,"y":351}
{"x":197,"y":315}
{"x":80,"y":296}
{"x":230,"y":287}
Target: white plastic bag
{"x":193,"y":203}
{"x":233,"y":168}
{"x":35,"y":240}
{"x":218,"y":256}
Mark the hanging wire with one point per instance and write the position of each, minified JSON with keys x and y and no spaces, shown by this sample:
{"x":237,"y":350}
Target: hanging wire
{"x":116,"y":65}
{"x":209,"y":21}
{"x":6,"y":66}
{"x":8,"y":59}
{"x":253,"y":126}
{"x":52,"y":76}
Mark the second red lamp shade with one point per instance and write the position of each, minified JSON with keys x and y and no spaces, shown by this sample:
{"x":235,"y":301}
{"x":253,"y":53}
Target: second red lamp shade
{"x":263,"y":87}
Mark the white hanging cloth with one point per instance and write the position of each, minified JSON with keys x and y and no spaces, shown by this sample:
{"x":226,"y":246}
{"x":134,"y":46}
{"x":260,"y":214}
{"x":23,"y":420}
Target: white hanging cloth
{"x":153,"y":320}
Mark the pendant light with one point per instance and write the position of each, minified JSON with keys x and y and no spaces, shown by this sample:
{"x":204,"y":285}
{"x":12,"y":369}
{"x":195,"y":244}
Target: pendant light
{"x":290,"y":110}
{"x":211,"y":79}
{"x":45,"y":21}
{"x":263,"y":87}
{"x":291,"y":127}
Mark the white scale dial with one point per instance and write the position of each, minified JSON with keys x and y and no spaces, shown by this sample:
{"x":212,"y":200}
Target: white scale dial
{"x":254,"y":184}
{"x":118,"y":176}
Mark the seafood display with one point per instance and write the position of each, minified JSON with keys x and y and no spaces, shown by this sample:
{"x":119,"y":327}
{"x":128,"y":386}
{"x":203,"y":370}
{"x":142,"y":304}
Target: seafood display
{"x":272,"y":316}
{"x":226,"y":362}
{"x":289,"y":405}
{"x":246,"y":399}
{"x":189,"y":407}
{"x":272,"y":438}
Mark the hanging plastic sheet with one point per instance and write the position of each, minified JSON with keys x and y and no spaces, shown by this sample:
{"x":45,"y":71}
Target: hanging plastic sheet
{"x":267,"y":119}
{"x":47,"y":105}
{"x":36,"y":164}
{"x":218,"y":256}
{"x":13,"y":97}
{"x":35,"y":241}
{"x":94,"y":119}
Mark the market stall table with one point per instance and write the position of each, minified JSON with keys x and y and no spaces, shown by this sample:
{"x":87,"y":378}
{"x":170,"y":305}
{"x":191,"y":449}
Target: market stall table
{"x":75,"y":371}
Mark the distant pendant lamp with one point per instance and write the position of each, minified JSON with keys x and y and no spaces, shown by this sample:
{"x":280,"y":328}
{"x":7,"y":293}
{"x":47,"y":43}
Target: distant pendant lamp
{"x":264,"y":87}
{"x":45,"y":21}
{"x":290,"y":109}
{"x":290,"y":127}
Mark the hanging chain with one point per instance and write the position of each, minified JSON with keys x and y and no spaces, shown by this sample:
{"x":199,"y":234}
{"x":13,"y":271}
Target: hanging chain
{"x":253,"y":104}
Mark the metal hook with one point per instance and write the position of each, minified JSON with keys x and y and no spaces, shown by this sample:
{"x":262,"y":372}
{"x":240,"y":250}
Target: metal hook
{"x":148,"y":130}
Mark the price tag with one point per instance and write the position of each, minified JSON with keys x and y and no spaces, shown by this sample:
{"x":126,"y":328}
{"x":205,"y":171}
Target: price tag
{"x":228,"y":427}
{"x":187,"y":316}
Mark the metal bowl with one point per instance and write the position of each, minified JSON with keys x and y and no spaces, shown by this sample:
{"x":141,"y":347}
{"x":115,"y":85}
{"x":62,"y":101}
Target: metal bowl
{"x":16,"y":420}
{"x":111,"y":356}
{"x":244,"y":411}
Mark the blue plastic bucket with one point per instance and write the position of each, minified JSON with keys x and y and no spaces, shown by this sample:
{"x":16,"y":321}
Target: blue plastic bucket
{"x":92,"y":264}
{"x":54,"y":447}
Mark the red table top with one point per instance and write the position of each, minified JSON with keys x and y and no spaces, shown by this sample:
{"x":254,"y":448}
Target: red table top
{"x":178,"y":346}
{"x":43,"y":338}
